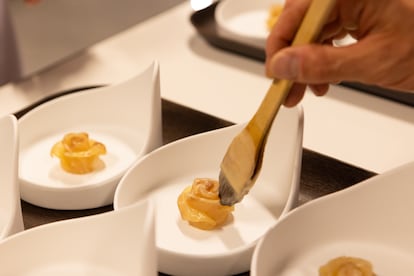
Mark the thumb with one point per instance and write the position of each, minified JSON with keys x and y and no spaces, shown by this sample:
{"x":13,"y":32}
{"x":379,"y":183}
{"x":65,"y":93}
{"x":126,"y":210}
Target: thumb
{"x":316,"y":64}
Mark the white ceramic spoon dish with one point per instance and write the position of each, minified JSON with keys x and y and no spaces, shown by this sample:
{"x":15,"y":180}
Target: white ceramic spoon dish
{"x":120,"y":243}
{"x":371,"y":220}
{"x":125,"y":117}
{"x":164,"y":173}
{"x":11,"y":220}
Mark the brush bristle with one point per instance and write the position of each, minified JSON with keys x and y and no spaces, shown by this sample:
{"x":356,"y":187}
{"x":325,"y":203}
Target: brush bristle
{"x":227,"y":194}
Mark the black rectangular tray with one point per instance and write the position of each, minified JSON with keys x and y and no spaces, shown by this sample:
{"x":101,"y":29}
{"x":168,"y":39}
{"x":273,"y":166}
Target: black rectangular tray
{"x":320,"y":174}
{"x":205,"y":24}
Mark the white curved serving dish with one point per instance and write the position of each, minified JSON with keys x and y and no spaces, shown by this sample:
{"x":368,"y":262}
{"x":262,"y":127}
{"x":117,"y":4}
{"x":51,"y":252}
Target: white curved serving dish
{"x":118,"y":243}
{"x":244,"y":20}
{"x":126,"y":117}
{"x":371,"y":220}
{"x":11,"y":220}
{"x":164,"y":173}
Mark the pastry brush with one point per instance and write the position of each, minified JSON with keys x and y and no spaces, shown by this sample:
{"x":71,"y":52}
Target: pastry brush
{"x":242,"y":162}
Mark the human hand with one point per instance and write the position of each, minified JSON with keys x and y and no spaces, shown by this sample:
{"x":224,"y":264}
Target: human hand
{"x":32,"y":2}
{"x":383,"y":54}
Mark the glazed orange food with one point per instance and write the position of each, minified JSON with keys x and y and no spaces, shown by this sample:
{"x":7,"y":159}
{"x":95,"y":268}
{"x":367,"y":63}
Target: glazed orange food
{"x":78,"y":154}
{"x":199,"y":204}
{"x":274,"y":13}
{"x":346,"y":266}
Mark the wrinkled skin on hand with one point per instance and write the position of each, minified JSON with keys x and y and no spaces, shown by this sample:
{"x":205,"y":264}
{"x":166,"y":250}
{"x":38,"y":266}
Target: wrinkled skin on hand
{"x":383,"y":55}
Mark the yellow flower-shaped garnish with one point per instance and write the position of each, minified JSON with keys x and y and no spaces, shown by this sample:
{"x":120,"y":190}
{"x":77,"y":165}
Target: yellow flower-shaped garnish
{"x":199,"y":204}
{"x":346,"y":266}
{"x":78,"y":154}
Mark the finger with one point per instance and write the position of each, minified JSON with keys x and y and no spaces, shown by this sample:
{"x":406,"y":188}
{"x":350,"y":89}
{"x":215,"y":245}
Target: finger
{"x":350,"y":13}
{"x":330,"y":31}
{"x":32,"y":2}
{"x":319,"y":89}
{"x":315,"y":64}
{"x":295,"y":95}
{"x":286,"y":26}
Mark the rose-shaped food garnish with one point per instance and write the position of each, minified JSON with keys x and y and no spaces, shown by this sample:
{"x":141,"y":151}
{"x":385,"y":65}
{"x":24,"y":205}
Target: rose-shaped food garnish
{"x":346,"y":266}
{"x":78,"y":154}
{"x":199,"y":204}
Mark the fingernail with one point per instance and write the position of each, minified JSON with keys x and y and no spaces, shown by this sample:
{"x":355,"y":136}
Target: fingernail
{"x":284,"y":66}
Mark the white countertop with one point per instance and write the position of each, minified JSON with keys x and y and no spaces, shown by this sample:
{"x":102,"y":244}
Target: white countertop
{"x":360,"y":129}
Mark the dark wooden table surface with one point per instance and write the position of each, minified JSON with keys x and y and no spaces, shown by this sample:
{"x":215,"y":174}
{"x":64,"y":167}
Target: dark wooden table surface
{"x":320,"y":174}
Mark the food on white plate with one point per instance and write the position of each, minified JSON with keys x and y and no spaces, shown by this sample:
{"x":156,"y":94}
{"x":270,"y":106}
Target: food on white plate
{"x":199,"y":204}
{"x":347,"y":266}
{"x":78,"y":154}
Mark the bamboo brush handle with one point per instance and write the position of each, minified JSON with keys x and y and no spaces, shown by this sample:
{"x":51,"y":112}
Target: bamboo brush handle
{"x":243,"y":160}
{"x":309,"y":29}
